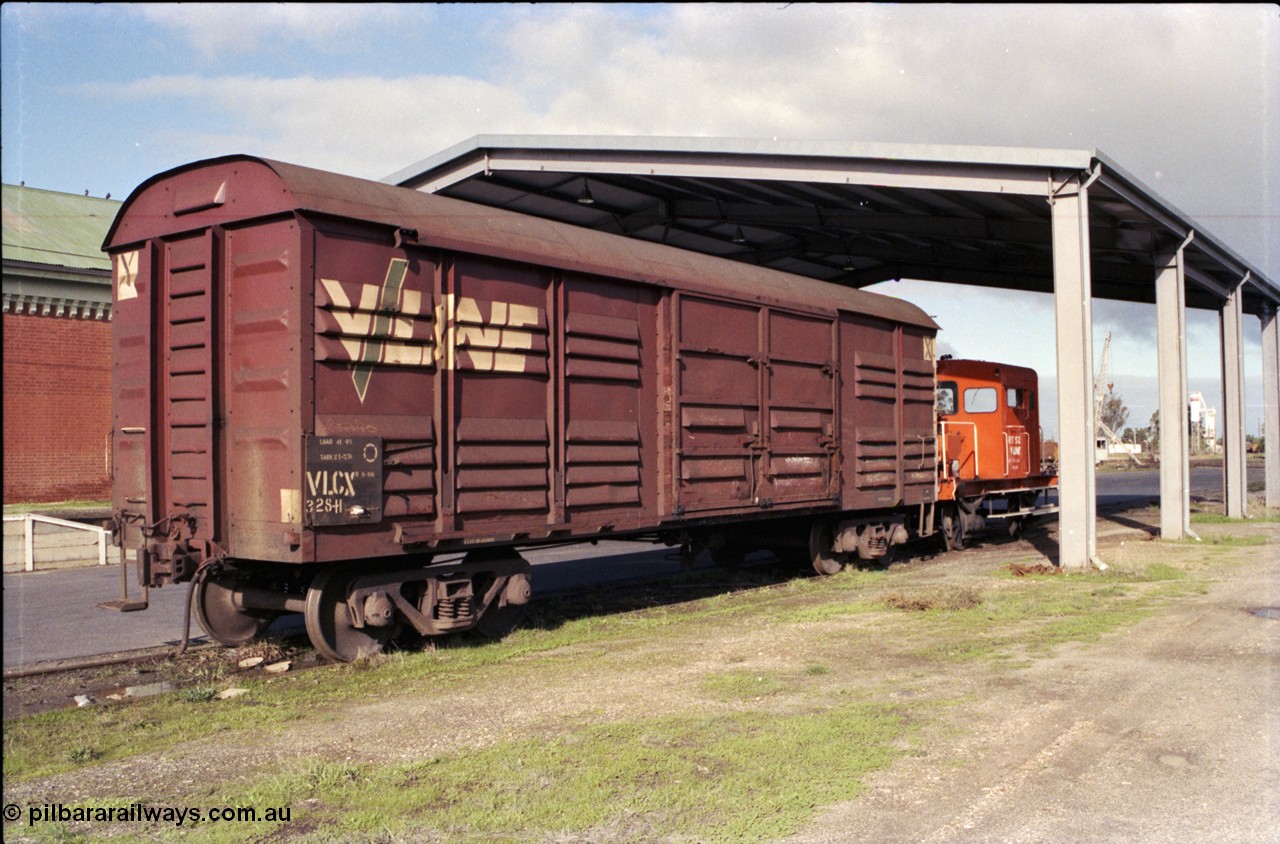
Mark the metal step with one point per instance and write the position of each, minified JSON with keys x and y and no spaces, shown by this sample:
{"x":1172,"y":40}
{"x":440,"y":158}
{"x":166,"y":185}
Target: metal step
{"x":123,"y":605}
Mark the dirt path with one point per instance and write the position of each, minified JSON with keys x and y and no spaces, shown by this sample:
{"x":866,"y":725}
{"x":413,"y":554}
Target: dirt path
{"x":1167,"y":731}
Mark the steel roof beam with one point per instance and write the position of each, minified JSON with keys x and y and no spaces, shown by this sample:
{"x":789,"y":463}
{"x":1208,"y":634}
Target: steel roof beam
{"x":926,"y":175}
{"x":1269,"y":293}
{"x":1207,"y":282}
{"x":1148,"y":209}
{"x":950,"y":227}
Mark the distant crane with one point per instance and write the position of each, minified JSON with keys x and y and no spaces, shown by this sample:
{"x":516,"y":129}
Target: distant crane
{"x":1103,"y":376}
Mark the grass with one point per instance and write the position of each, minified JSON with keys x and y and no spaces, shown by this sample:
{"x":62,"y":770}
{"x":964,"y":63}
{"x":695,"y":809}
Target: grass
{"x":1230,"y":539}
{"x":757,"y":742}
{"x":19,"y":507}
{"x":101,"y":733}
{"x":743,"y":685}
{"x":1219,"y":519}
{"x":954,"y":624}
{"x":717,"y":778}
{"x":1034,"y":613}
{"x":33,"y":746}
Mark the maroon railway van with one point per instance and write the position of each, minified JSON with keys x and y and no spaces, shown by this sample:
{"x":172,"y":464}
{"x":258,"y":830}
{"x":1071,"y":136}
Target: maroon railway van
{"x":353,"y":400}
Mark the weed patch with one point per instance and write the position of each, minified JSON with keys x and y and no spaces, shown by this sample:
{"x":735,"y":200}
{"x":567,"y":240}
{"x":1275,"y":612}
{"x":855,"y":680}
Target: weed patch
{"x":950,"y":600}
{"x":81,"y":755}
{"x":198,"y":694}
{"x":1020,"y":570}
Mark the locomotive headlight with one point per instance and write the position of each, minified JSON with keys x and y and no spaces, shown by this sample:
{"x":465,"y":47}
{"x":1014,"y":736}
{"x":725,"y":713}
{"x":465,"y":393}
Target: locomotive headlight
{"x":954,"y":467}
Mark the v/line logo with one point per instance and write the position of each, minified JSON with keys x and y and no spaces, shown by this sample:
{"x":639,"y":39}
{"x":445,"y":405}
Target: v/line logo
{"x":383,"y":328}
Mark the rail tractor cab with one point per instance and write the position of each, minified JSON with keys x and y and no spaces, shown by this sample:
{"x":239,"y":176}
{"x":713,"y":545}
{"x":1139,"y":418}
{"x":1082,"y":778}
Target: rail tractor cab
{"x":989,"y":449}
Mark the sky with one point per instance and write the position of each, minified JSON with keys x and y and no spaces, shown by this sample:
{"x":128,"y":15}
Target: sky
{"x":1186,"y":98}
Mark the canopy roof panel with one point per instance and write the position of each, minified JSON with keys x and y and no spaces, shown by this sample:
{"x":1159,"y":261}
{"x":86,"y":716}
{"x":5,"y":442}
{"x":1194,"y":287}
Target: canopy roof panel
{"x":852,"y":214}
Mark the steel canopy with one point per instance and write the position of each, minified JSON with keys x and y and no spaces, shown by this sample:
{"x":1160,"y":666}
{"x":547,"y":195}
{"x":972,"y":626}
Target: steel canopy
{"x":849,"y":213}
{"x":1067,"y":222}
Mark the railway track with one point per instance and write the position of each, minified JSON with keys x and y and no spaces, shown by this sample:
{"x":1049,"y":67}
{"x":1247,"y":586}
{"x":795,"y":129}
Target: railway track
{"x":109,"y":677}
{"x":120,"y":676}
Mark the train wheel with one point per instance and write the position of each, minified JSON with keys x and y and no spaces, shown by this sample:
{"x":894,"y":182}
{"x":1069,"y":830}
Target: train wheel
{"x":953,"y":531}
{"x":825,"y":561}
{"x":888,"y":557}
{"x":220,"y":617}
{"x":329,"y":624}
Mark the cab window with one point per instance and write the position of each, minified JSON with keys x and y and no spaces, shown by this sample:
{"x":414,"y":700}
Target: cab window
{"x":946,"y":402}
{"x":981,"y":400}
{"x":1013,"y":396}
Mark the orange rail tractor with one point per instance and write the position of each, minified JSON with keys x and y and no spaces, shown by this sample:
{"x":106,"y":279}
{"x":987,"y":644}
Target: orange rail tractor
{"x":989,"y":448}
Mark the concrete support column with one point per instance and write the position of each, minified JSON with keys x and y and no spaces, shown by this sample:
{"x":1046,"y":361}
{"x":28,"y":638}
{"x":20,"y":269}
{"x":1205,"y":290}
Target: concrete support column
{"x":1231,"y":321}
{"x":1072,"y":293}
{"x":1271,"y":399}
{"x":1171,"y":350}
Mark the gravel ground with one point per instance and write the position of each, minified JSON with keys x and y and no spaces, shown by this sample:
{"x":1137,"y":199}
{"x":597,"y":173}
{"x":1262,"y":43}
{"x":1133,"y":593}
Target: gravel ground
{"x":1168,"y":731}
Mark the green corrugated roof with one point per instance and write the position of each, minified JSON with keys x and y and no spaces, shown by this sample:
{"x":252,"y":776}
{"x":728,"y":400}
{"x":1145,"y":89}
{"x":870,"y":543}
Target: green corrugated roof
{"x":59,"y":229}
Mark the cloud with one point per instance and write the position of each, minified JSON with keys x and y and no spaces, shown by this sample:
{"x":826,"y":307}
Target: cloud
{"x":365,"y":126}
{"x":1182,"y":96}
{"x":218,"y":28}
{"x":1178,"y":95}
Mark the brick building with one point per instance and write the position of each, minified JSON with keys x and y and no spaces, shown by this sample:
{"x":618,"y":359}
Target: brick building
{"x":57,"y":346}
